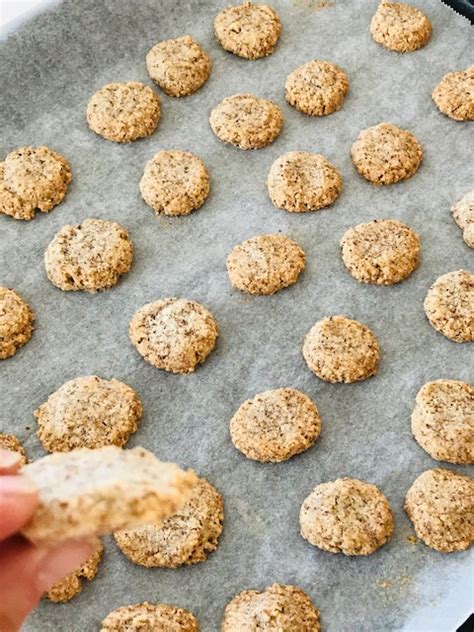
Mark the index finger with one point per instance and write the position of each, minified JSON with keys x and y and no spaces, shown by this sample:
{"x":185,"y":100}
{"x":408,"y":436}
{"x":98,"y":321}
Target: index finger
{"x":9,"y":461}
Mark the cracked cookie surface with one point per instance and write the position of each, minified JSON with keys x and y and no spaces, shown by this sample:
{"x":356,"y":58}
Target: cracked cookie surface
{"x":317,"y":88}
{"x":454,"y":94}
{"x":400,"y":27}
{"x":449,"y":305}
{"x":147,"y":617}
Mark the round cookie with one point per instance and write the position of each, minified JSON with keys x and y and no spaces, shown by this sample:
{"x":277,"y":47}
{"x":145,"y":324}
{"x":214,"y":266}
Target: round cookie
{"x":265,"y":264}
{"x":179,"y":66}
{"x":400,"y":27}
{"x":300,"y":181}
{"x":147,"y":617}
{"x":468,"y":235}
{"x":463,"y":214}
{"x":174,"y":334}
{"x":275,"y":425}
{"x":90,"y":256}
{"x":246,"y":121}
{"x":71,"y":585}
{"x":440,"y":504}
{"x":317,"y":88}
{"x":175,"y":182}
{"x":123,"y":112}
{"x":16,"y":322}
{"x":346,"y":516}
{"x":385,"y":154}
{"x":279,"y":607}
{"x":185,"y":538}
{"x":443,"y":420}
{"x":449,"y":305}
{"x":382,"y":252}
{"x":454,"y":95}
{"x":10,"y":442}
{"x":338,"y":349}
{"x":88,"y":412}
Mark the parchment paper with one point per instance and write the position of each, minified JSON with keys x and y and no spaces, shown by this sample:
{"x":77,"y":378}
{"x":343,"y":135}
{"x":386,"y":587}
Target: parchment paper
{"x":50,"y":68}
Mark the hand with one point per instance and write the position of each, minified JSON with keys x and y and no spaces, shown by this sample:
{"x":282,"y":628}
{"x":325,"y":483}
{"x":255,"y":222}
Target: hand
{"x":27,"y":571}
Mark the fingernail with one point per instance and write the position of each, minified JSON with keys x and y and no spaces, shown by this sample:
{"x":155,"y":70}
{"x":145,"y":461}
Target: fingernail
{"x":8,"y":458}
{"x":16,"y":486}
{"x":60,"y":562}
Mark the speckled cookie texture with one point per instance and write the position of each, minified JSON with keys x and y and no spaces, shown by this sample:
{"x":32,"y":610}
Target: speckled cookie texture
{"x":246,"y":121}
{"x":147,"y":617}
{"x":16,"y":322}
{"x":385,"y":154}
{"x":275,"y":425}
{"x":11,"y":443}
{"x":454,"y":95}
{"x":174,"y":334}
{"x":179,"y":66}
{"x":187,"y":537}
{"x":278,"y":608}
{"x":93,"y":492}
{"x":88,"y":412}
{"x":317,"y":88}
{"x":440,"y":503}
{"x":382,"y":252}
{"x":346,"y":516}
{"x":175,"y":182}
{"x":72,"y":584}
{"x":400,"y":27}
{"x":248,"y":30}
{"x":32,"y":178}
{"x":339,"y":349}
{"x":300,"y":181}
{"x":449,"y":305}
{"x":90,"y":256}
{"x":123,"y":112}
{"x":443,"y":420}
{"x":265,"y":264}
{"x":463,"y":214}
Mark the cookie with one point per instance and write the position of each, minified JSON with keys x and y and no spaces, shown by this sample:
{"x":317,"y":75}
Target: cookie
{"x":147,"y":617}
{"x":300,"y":181}
{"x":468,"y":235}
{"x":382,"y":252}
{"x":16,"y":322}
{"x":400,"y":27}
{"x":463,"y":214}
{"x":317,"y":88}
{"x":72,"y":584}
{"x":385,"y":154}
{"x":346,"y":516}
{"x":32,"y":178}
{"x":246,"y":121}
{"x":338,"y":349}
{"x":265,"y":264}
{"x":443,"y":420}
{"x":248,"y":30}
{"x":94,"y":492}
{"x":175,"y":182}
{"x":174,"y":334}
{"x":11,"y":443}
{"x":449,"y":305}
{"x":91,"y":256}
{"x":275,"y":425}
{"x":179,"y":66}
{"x":440,"y":504}
{"x":123,"y":112}
{"x":279,"y":607}
{"x":184,"y":538}
{"x":88,"y":412}
{"x":454,"y":95}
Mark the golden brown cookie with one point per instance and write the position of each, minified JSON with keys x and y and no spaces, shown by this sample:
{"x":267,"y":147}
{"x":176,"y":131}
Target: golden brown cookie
{"x":317,"y":88}
{"x":147,"y":617}
{"x":463,"y":214}
{"x":400,"y":27}
{"x":454,"y":95}
{"x":16,"y":322}
{"x":449,"y":305}
{"x":11,"y":443}
{"x":72,"y":584}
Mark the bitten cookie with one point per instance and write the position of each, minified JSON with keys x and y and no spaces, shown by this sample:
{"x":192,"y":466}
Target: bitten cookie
{"x":317,"y":88}
{"x":175,"y":182}
{"x":16,"y":322}
{"x":123,"y":112}
{"x":174,"y":334}
{"x":147,"y":617}
{"x":90,"y":256}
{"x":187,"y":537}
{"x":385,"y":154}
{"x":11,"y":443}
{"x":32,"y":178}
{"x":454,"y":95}
{"x":248,"y":30}
{"x":265,"y":264}
{"x":72,"y":584}
{"x":382,"y":252}
{"x":275,"y":425}
{"x":449,"y":305}
{"x":443,"y":420}
{"x":400,"y":27}
{"x":279,"y":607}
{"x":346,"y":516}
{"x":440,"y":504}
{"x":300,"y":181}
{"x":463,"y":214}
{"x":246,"y":121}
{"x":338,"y":349}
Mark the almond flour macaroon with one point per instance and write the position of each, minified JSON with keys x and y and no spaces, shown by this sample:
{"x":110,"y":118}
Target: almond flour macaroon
{"x":317,"y":88}
{"x":148,"y":617}
{"x":16,"y":322}
{"x":400,"y":27}
{"x":449,"y":305}
{"x":71,"y":585}
{"x":454,"y":95}
{"x":463,"y":214}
